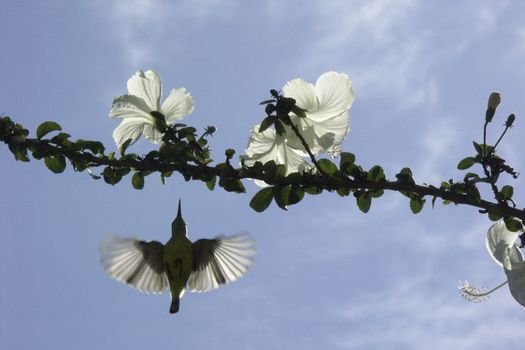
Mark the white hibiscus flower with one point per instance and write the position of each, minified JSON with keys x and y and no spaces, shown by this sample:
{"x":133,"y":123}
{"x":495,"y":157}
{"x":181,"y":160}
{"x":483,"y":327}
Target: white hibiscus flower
{"x":268,"y":145}
{"x":326,"y":104}
{"x":502,"y":247}
{"x":324,"y":127}
{"x":143,"y":98}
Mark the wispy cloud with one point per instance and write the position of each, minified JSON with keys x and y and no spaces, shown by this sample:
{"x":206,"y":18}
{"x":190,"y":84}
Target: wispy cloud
{"x":412,"y":316}
{"x":143,"y":28}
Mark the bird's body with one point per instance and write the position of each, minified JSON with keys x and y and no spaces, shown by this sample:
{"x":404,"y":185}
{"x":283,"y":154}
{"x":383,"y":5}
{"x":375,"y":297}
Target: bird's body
{"x":151,"y":266}
{"x":178,"y":263}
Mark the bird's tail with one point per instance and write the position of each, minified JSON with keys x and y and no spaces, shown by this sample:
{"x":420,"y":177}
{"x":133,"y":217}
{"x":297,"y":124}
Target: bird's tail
{"x":174,"y":308}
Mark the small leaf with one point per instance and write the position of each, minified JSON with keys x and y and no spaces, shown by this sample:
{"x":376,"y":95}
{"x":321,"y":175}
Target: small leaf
{"x":281,"y":195}
{"x":466,"y":163}
{"x":416,"y":205}
{"x":343,"y":191}
{"x":211,"y":183}
{"x":327,"y":166}
{"x":507,"y":192}
{"x":266,"y":123}
{"x":494,"y":216}
{"x":364,"y":201}
{"x":513,"y":225}
{"x":45,"y":128}
{"x":137,"y":181}
{"x":262,"y":199}
{"x":347,"y":162}
{"x":296,"y":195}
{"x":313,"y":190}
{"x":376,"y":173}
{"x":56,"y":164}
{"x":232,"y":185}
{"x":125,"y":146}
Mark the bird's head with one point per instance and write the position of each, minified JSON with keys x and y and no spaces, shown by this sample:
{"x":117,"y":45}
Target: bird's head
{"x":178,"y":227}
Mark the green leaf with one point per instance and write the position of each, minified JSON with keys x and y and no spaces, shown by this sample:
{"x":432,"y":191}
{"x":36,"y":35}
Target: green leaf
{"x":327,"y":166}
{"x":281,"y":195}
{"x":266,"y":123}
{"x":95,"y":147}
{"x":211,"y":183}
{"x":466,"y":163}
{"x":296,"y":195}
{"x":405,"y":175}
{"x":364,"y":201}
{"x":137,"y":181}
{"x":377,"y":194}
{"x":494,"y":216}
{"x":512,"y":224}
{"x":416,"y":205}
{"x":45,"y":128}
{"x":56,"y":164}
{"x":313,"y":190}
{"x":262,"y":199}
{"x":347,"y":162}
{"x":507,"y":192}
{"x":111,"y":176}
{"x":232,"y":185}
{"x":343,"y":191}
{"x":473,"y":193}
{"x":124,"y":146}
{"x":376,"y":173}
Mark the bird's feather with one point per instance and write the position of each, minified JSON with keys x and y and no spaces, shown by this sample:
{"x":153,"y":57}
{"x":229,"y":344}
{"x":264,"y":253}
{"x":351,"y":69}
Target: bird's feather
{"x":137,"y":263}
{"x":220,"y":260}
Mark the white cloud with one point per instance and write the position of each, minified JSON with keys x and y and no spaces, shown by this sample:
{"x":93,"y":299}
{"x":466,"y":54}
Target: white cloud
{"x":142,"y":28}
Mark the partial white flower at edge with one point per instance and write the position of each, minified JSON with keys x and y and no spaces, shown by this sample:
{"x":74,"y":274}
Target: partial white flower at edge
{"x":144,"y":92}
{"x":266,"y":146}
{"x":326,"y":104}
{"x":502,"y":247}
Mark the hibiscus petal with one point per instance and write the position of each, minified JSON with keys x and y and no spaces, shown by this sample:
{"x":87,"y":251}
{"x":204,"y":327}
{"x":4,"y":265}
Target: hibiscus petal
{"x":177,"y":105}
{"x":515,"y":272}
{"x":152,"y":134}
{"x":129,"y":128}
{"x":147,"y":86}
{"x":498,"y":239}
{"x":267,"y":146}
{"x":130,"y":106}
{"x":303,"y":93}
{"x":335,"y":94}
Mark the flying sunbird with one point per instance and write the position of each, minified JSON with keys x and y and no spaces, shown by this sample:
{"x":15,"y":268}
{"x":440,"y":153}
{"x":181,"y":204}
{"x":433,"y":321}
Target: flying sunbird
{"x":151,"y":266}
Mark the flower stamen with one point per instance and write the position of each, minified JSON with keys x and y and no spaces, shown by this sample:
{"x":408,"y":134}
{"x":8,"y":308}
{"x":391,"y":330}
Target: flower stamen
{"x":474,"y":294}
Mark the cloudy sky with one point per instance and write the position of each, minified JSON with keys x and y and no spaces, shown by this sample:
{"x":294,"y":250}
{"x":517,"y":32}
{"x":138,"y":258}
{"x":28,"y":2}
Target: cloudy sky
{"x":326,"y":275}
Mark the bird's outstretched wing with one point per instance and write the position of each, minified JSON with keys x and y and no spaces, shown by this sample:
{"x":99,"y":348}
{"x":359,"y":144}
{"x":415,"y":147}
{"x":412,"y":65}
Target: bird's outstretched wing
{"x":220,"y":260}
{"x":137,"y":263}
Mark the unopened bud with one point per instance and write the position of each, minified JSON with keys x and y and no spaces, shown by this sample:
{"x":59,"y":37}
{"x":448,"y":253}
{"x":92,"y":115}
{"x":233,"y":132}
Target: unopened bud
{"x":494,"y":100}
{"x":492,"y":104}
{"x":510,"y":120}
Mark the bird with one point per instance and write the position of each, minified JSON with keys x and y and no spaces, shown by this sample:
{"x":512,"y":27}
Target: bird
{"x":200,"y":266}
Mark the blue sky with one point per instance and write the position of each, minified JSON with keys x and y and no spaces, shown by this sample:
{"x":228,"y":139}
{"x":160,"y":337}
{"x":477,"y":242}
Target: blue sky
{"x":326,"y":275}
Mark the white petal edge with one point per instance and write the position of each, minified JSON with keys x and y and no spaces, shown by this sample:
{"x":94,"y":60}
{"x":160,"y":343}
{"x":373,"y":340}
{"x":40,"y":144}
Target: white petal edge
{"x":177,"y":105}
{"x":303,"y":93}
{"x":129,"y":128}
{"x":515,"y":271}
{"x":335,"y":94}
{"x":498,"y":239}
{"x":147,"y":86}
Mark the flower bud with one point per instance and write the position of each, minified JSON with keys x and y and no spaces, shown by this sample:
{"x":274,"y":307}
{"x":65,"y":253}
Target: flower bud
{"x":494,"y":100}
{"x":492,"y":104}
{"x":510,"y":120}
